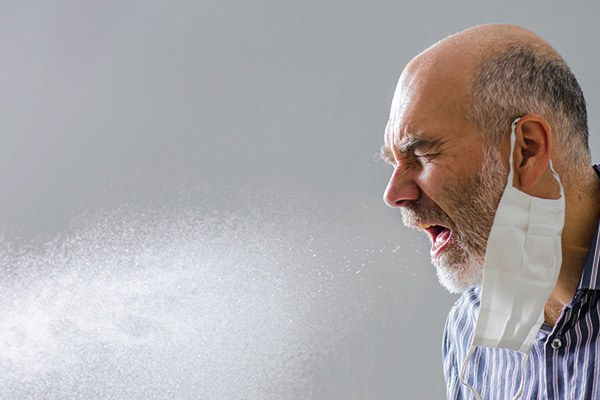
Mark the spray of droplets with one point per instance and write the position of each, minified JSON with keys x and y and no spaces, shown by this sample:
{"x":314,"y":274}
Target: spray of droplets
{"x":181,"y":303}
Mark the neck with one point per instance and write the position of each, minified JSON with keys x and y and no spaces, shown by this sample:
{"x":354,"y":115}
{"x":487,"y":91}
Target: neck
{"x":581,"y":218}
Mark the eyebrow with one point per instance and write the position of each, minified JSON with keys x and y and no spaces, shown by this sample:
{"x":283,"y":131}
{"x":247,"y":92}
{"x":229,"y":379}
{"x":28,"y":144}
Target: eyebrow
{"x":386,"y":155}
{"x":411,"y":143}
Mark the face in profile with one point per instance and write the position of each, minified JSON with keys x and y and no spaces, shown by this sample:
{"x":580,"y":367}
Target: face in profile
{"x":447,"y":182}
{"x":459,"y":235}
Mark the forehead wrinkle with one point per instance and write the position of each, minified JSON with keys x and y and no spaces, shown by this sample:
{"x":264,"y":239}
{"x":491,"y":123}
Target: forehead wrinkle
{"x":388,"y":137}
{"x":397,"y":145}
{"x":386,"y":152}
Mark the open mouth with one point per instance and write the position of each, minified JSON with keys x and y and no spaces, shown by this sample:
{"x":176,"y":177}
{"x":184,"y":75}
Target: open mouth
{"x":440,"y":236}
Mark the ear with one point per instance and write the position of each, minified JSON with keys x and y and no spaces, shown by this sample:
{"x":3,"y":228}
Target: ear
{"x":533,"y":148}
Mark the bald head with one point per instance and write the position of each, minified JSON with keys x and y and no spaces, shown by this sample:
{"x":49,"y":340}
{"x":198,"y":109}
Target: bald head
{"x":492,"y":74}
{"x":463,"y":52}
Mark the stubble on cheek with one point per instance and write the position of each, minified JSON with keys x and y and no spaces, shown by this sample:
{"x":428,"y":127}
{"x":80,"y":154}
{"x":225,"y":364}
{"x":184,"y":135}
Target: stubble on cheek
{"x":474,"y":217}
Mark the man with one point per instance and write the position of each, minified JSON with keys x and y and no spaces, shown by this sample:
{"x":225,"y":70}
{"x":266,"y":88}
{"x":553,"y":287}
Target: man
{"x":449,"y":141}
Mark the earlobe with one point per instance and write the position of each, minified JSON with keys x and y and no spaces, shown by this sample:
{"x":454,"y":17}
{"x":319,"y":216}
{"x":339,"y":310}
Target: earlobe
{"x":533,"y":148}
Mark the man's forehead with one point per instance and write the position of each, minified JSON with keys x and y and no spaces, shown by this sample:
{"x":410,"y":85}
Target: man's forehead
{"x":397,"y":138}
{"x":395,"y":129}
{"x":405,"y":93}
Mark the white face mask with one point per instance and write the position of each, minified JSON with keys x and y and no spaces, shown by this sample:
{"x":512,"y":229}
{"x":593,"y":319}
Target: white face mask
{"x":522,"y":262}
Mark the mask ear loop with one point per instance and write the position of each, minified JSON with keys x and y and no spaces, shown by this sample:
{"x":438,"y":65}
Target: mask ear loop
{"x":461,"y":375}
{"x":523,"y":365}
{"x":555,"y":175}
{"x":513,"y":139}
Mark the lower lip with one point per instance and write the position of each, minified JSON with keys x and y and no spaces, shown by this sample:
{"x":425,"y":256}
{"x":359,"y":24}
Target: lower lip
{"x":441,"y":241}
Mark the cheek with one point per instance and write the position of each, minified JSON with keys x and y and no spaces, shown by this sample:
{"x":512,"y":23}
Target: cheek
{"x":444,"y":186}
{"x":449,"y":172}
{"x":433,"y":179}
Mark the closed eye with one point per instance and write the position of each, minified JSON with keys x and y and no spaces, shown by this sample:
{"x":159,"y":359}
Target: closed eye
{"x":426,"y":156}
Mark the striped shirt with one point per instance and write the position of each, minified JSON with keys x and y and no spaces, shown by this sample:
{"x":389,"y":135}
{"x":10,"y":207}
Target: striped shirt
{"x":564,"y":362}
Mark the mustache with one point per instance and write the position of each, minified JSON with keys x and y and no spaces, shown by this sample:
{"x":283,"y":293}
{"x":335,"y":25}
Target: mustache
{"x":416,"y":213}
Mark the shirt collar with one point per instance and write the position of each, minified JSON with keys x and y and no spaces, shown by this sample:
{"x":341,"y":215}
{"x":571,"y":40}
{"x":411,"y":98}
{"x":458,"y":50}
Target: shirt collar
{"x":589,"y":276}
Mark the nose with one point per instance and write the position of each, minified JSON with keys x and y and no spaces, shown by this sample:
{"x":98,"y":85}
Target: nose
{"x":401,"y":189}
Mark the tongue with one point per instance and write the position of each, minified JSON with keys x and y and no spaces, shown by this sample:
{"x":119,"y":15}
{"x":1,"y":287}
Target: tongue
{"x":441,"y":239}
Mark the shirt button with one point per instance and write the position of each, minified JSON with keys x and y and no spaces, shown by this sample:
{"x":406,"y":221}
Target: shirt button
{"x":556,"y":344}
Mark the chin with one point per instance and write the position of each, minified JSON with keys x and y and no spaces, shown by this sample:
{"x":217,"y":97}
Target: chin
{"x":458,"y":275}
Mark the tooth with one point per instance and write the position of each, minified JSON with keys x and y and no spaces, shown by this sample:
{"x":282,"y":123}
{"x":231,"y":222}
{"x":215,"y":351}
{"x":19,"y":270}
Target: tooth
{"x":422,"y":227}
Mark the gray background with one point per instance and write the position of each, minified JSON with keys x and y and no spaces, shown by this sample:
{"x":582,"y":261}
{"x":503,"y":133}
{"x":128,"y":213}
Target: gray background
{"x":190,"y":201}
